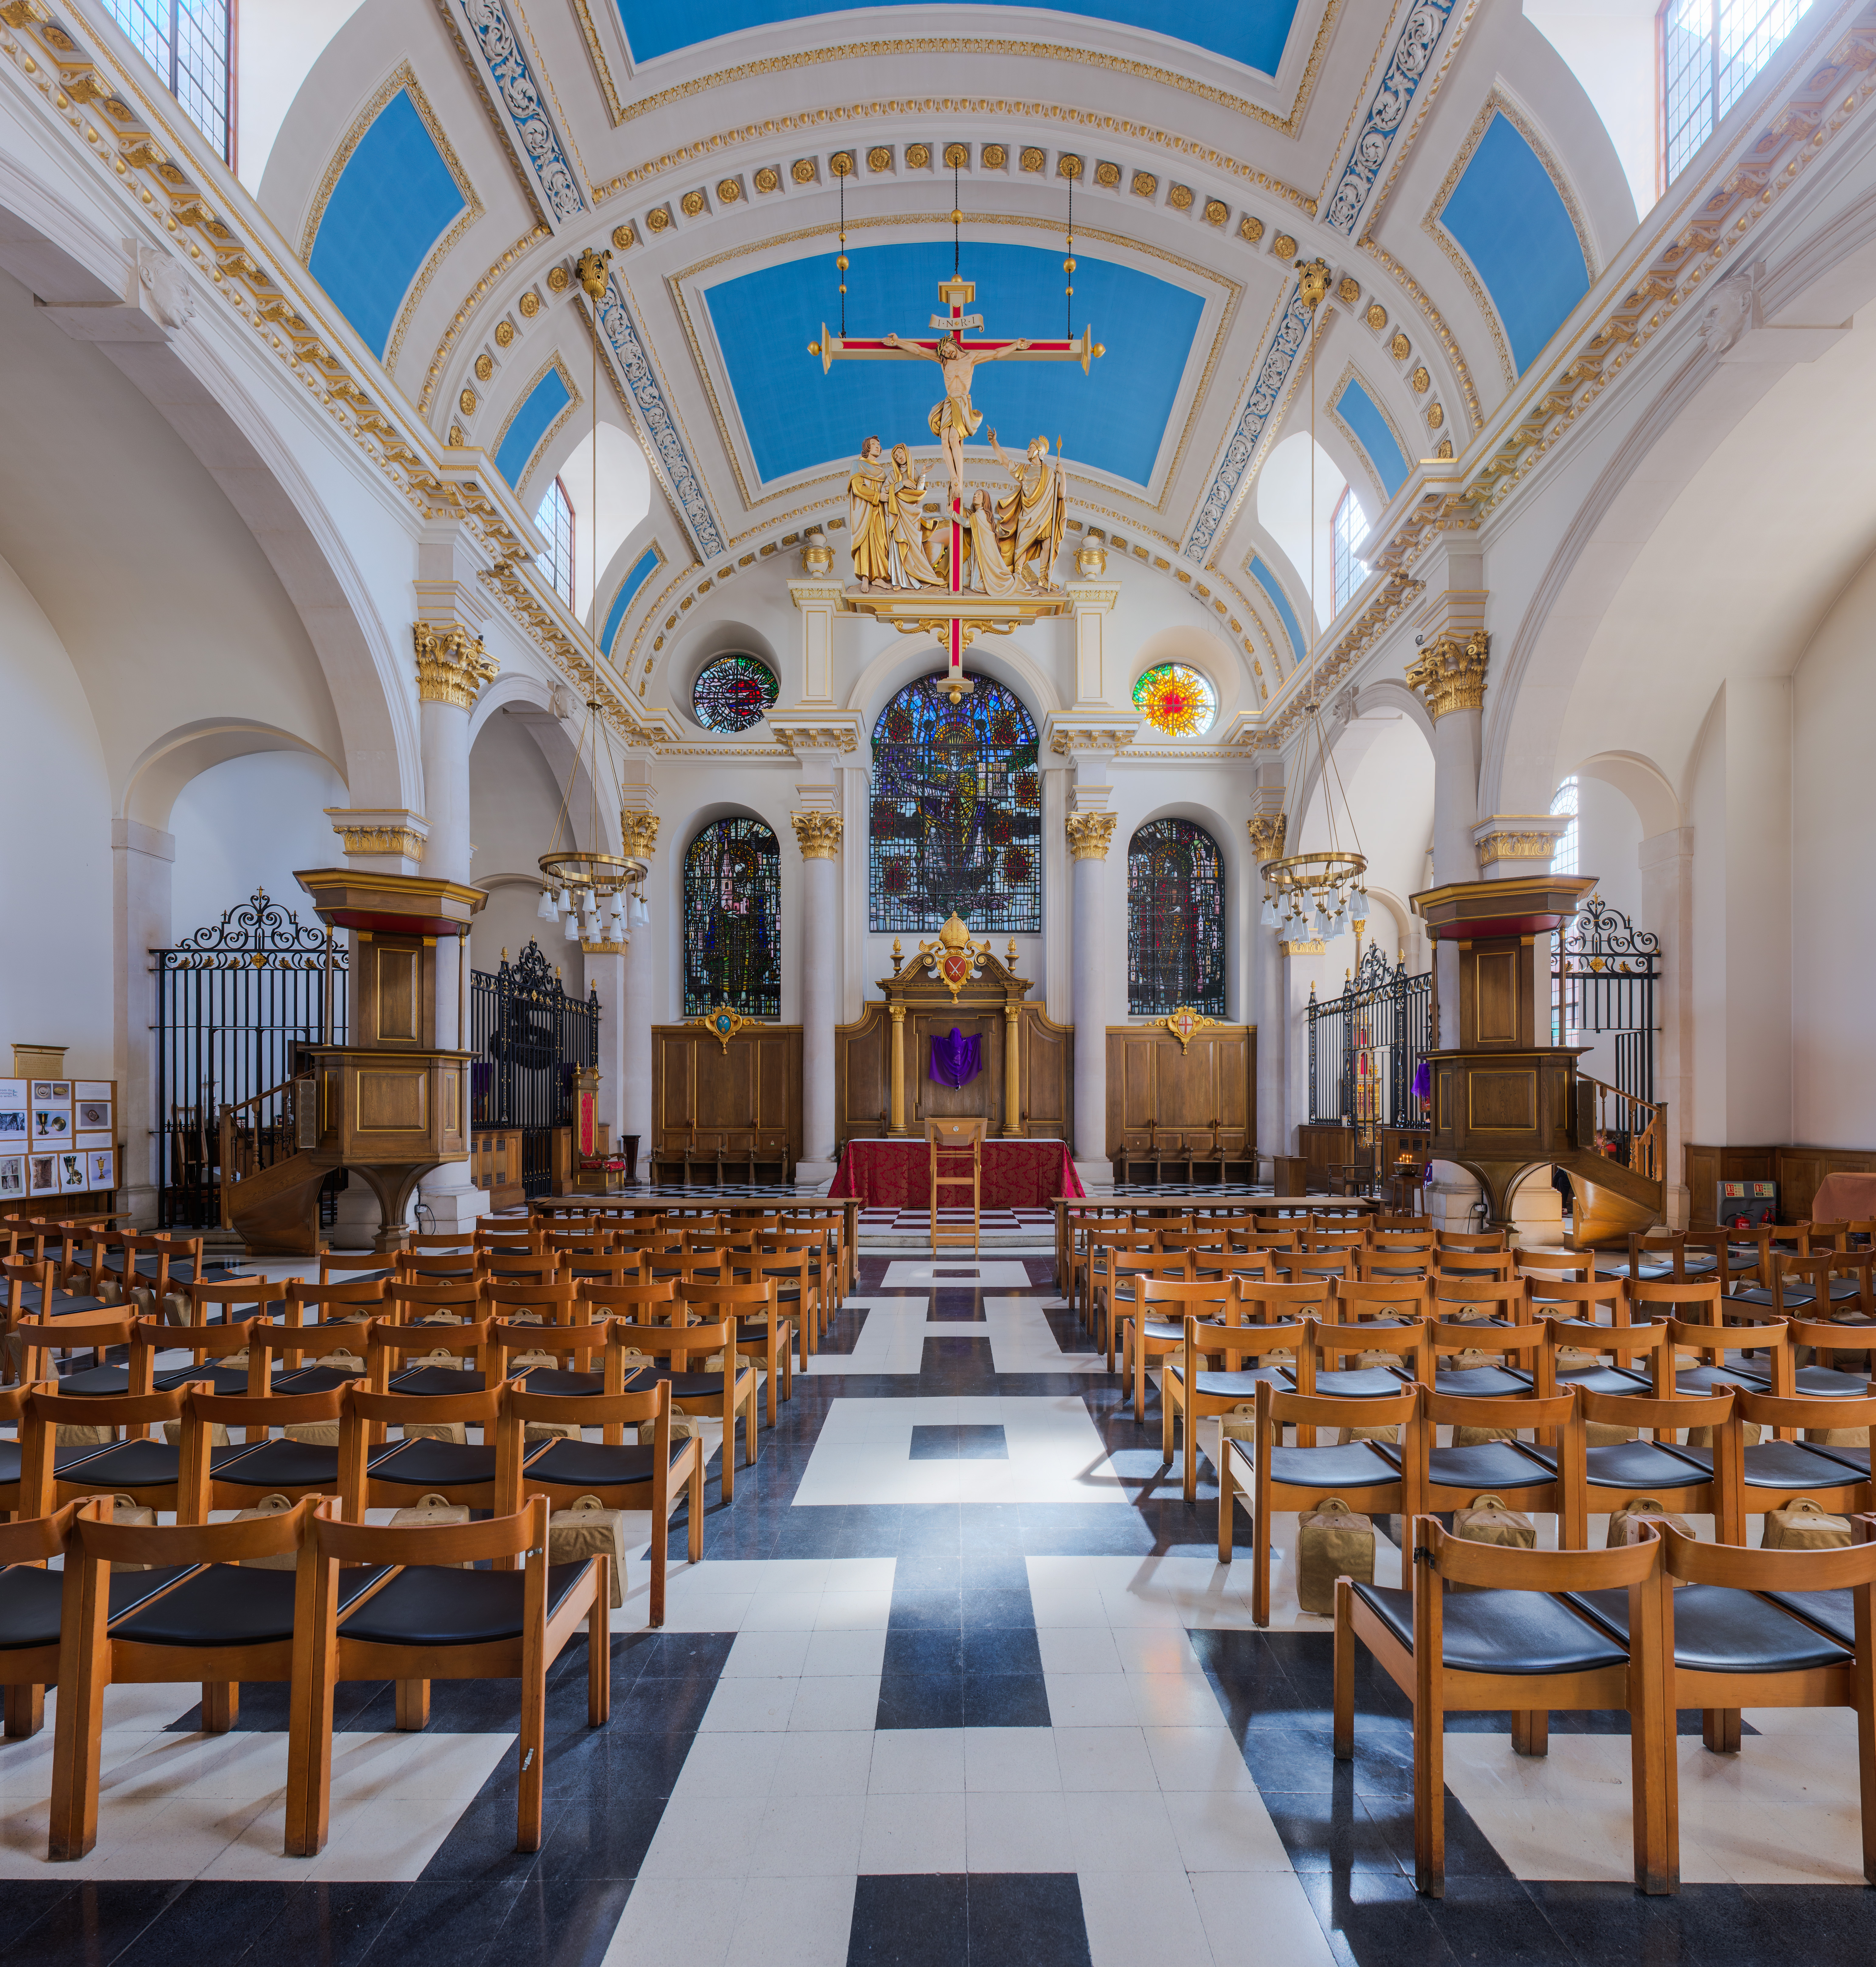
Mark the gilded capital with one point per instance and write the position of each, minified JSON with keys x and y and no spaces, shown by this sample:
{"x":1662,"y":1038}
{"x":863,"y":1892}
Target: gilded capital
{"x":390,"y":830}
{"x":638,"y":834}
{"x":1090,"y":834}
{"x":1266,"y":831}
{"x":818,"y":834}
{"x":452,"y":665}
{"x":1449,"y":673}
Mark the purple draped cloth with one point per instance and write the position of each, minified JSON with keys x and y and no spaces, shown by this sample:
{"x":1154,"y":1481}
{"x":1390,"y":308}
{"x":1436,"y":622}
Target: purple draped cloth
{"x":1423,"y":1080}
{"x":954,"y":1061}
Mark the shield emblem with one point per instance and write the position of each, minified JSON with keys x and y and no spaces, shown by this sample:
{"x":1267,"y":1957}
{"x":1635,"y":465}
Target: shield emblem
{"x":722,"y":1021}
{"x":1182,"y":1024}
{"x":956,"y":971}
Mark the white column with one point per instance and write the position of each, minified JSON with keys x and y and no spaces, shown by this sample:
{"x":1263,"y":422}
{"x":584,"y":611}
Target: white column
{"x":141,"y":858}
{"x":818,"y":831}
{"x":1303,"y":968}
{"x":1666,"y":865}
{"x":1093,"y":601}
{"x":1269,"y":1011}
{"x":637,"y":1010}
{"x":1090,"y":833}
{"x":606,"y":974}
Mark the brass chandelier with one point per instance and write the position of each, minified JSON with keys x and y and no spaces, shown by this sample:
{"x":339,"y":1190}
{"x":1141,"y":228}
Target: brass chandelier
{"x":1318,"y":896}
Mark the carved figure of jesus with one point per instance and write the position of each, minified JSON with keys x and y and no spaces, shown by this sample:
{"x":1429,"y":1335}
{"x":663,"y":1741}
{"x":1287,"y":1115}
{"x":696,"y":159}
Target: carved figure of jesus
{"x":954,"y":420}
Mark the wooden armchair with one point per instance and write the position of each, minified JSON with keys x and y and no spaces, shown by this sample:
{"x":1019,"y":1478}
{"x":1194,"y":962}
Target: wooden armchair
{"x":764,"y":1334}
{"x":425,"y":1619}
{"x":729,"y":1389}
{"x":1512,"y":1638}
{"x":1155,"y":1329}
{"x":336,"y":1303}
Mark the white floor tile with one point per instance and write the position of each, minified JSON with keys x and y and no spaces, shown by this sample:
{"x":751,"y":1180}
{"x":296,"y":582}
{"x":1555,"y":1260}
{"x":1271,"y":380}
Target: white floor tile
{"x":1197,"y":1758}
{"x":1225,"y":1831}
{"x":842,"y":1701}
{"x":793,"y":1842}
{"x":1274,"y":1908}
{"x":1173,"y":1699}
{"x":914,"y":1761}
{"x":1076,"y":1649}
{"x":748,"y":1707}
{"x":1104,"y":1758}
{"x":843,"y":1652}
{"x":914,"y":1832}
{"x":963,"y":1272}
{"x":1016,"y":1761}
{"x":1091,"y":1701}
{"x":1010,"y":1831}
{"x":793,"y":1923}
{"x":1124,"y":1830}
{"x":823,"y":1762}
{"x":1131,"y":1918}
{"x":759,"y":1654}
{"x":723,"y":1763}
{"x":704,"y":1837}
{"x":692,"y":1918}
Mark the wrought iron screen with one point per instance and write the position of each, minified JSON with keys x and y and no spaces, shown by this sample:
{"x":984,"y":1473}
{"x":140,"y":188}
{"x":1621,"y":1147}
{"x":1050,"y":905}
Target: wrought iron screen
{"x":956,"y":818}
{"x":731,"y":918}
{"x":1603,"y":972}
{"x":1174,"y":921}
{"x":233,"y":1001}
{"x":529,"y":1038}
{"x":1365,"y":1046}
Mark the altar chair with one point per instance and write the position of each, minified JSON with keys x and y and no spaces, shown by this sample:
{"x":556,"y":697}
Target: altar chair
{"x":957,"y":1148}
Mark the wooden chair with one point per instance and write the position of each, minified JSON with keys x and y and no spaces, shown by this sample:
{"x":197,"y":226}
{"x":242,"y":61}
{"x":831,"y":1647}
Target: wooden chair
{"x":956,"y":1149}
{"x":791,"y":1263}
{"x":409,"y":1302}
{"x":457,"y":1267}
{"x":342,"y":1303}
{"x":1293,"y":1478}
{"x":1452,"y":1477}
{"x":222,"y":1620}
{"x":427,"y":1242}
{"x":1373,"y":1264}
{"x":1763,"y":1360}
{"x":154,"y":1266}
{"x":1475,"y":1266}
{"x":1503,"y":1300}
{"x":623,"y":1475}
{"x":764,"y":1334}
{"x":377,"y":1474}
{"x":1155,"y":1329}
{"x":731,"y":1386}
{"x":1823,"y":1378}
{"x":1624,"y":1471}
{"x":1302,"y":1267}
{"x":370,"y":1267}
{"x":1384,"y":1301}
{"x":1120,"y":1298}
{"x":555,"y":1303}
{"x":1455,"y":1239}
{"x":429,"y":1619}
{"x":1514,"y":1638}
{"x":1769,"y":1474}
{"x":493,"y":1267}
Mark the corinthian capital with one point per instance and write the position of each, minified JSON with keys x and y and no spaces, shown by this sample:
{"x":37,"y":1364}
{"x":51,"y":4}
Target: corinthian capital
{"x":1090,"y":834}
{"x":1267,"y":830}
{"x":638,"y":834}
{"x":1449,"y":673}
{"x":452,"y":666}
{"x":818,"y":834}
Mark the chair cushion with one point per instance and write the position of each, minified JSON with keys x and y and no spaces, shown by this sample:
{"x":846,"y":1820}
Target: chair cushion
{"x":285,"y":1465}
{"x":1605,"y":1379}
{"x":564,"y":1383}
{"x":593,"y":1464}
{"x":1238,"y":1386}
{"x":224,"y":1379}
{"x":314,"y":1379}
{"x":1365,"y":1383}
{"x":1632,"y":1465}
{"x":1825,"y":1383}
{"x":1719,"y":1630}
{"x":1749,"y":1373}
{"x":1835,"y":1611}
{"x":1487,"y":1465}
{"x":1481,"y":1383}
{"x":148,"y":1464}
{"x":436,"y":1464}
{"x":1501,"y":1632}
{"x":1782,"y":1465}
{"x":1856,"y":1459}
{"x":29,"y":1600}
{"x":436,"y":1382}
{"x":1356,"y":1466}
{"x":437,"y":1605}
{"x":688,"y":1386}
{"x":232,"y":1605}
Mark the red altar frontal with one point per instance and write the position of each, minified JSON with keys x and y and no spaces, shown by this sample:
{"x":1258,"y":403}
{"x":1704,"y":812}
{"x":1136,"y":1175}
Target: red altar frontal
{"x":896,"y":1174}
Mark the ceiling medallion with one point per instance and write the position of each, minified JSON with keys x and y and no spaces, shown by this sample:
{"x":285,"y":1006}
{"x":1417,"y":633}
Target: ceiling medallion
{"x":995,"y":157}
{"x":1283,"y":246}
{"x":957,"y":156}
{"x":1032,"y":159}
{"x":918,"y":157}
{"x":530,"y":305}
{"x":659,"y":220}
{"x":1436,"y":416}
{"x":1348,"y":290}
{"x":802,"y":170}
{"x":1420,"y":380}
{"x":729,"y":191}
{"x":879,"y":158}
{"x":1180,"y":198}
{"x":1216,"y":212}
{"x":691,"y":204}
{"x":558,"y":278}
{"x":485,"y":367}
{"x":623,"y":236}
{"x":467,"y":399}
{"x":1400,"y":348}
{"x":1145,"y":184}
{"x":769,"y":179}
{"x":1377,"y":316}
{"x":1250,"y":229}
{"x":1108,"y":175}
{"x":504,"y":333}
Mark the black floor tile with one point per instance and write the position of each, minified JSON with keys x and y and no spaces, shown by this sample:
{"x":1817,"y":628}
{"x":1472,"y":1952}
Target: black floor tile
{"x":990,"y":1649}
{"x":87,"y":1925}
{"x":333,"y":1925}
{"x":1026,"y":1919}
{"x":921,"y":1921}
{"x":567,"y":1925}
{"x":920,"y":1700}
{"x":989,"y":1610}
{"x":1005,"y":1701}
{"x":927,"y":1612}
{"x":959,"y":1444}
{"x":447,"y":1924}
{"x":960,"y":1304}
{"x":915,"y":1652}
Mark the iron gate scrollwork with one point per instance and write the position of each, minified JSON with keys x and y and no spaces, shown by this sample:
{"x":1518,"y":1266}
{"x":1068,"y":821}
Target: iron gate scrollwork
{"x":234,"y":1002}
{"x":1603,"y":972}
{"x":530,"y":1037}
{"x":1366,"y":1047}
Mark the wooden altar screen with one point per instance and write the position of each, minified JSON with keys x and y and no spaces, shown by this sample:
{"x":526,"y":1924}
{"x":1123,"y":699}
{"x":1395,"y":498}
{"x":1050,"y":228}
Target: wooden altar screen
{"x":991,"y":1006}
{"x":735,"y":1108}
{"x":1190,"y":1107}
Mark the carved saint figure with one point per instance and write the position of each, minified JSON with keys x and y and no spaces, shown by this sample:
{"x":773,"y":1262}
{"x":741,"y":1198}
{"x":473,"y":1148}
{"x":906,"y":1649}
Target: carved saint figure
{"x":911,"y":562}
{"x":992,"y":548}
{"x":954,"y":420}
{"x":869,"y":518}
{"x":1035,"y":514}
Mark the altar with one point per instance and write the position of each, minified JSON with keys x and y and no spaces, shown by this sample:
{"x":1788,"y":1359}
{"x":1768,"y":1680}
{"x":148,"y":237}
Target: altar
{"x":896,"y":1174}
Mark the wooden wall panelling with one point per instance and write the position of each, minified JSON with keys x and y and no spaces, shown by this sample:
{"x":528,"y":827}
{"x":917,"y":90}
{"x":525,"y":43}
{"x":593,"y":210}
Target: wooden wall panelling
{"x":706,"y":1096}
{"x":1200,"y":1099}
{"x":863,"y":1076}
{"x":1048,"y":1076}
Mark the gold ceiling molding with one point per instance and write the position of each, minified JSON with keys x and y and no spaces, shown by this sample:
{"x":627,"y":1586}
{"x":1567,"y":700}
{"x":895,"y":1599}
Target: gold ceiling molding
{"x":677,"y":284}
{"x":688,"y":155}
{"x":1375,"y":619}
{"x":1436,"y":321}
{"x":1005,"y":50}
{"x":615,"y":108}
{"x":473,"y":299}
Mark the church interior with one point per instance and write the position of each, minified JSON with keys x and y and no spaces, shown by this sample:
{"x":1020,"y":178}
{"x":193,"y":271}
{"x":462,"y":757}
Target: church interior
{"x":941,"y":1084}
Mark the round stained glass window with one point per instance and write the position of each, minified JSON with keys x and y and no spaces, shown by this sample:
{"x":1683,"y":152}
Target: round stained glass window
{"x":1175,"y":700}
{"x":732,"y":693}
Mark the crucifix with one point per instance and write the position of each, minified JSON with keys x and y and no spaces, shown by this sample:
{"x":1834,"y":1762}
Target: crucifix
{"x":955,"y":419}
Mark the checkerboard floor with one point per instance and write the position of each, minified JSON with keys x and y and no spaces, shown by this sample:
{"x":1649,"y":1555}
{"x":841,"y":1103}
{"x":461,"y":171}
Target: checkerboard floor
{"x":1039,"y":1223}
{"x":958,"y":1679}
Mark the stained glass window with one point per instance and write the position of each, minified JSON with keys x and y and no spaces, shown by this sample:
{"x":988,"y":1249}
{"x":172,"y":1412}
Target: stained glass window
{"x":732,"y":905}
{"x":956,"y":815}
{"x":1175,"y":700}
{"x":1174,"y":921}
{"x":732,"y":693}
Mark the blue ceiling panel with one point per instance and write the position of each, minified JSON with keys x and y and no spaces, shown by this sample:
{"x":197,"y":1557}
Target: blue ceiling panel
{"x":1516,"y":230}
{"x":1260,"y":572}
{"x":634,"y":580}
{"x":1250,"y":31}
{"x":1361,"y":413}
{"x":394,"y":199}
{"x":544,"y":402}
{"x":796,"y":418}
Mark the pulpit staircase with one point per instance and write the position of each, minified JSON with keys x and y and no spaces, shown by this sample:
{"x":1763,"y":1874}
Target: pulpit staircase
{"x":273,"y":1167}
{"x":1616,"y":1165}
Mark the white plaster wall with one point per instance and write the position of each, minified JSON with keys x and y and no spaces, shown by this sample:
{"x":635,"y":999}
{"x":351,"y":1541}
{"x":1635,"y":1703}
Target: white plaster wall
{"x":250,"y":823}
{"x":1608,"y":835}
{"x":55,"y":900}
{"x":513,"y":805}
{"x":1707,"y":808}
{"x":1833,"y":840}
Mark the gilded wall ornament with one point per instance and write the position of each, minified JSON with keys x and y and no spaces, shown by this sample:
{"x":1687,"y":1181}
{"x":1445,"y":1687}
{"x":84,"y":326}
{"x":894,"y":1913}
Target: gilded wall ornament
{"x":1283,"y":246}
{"x":1266,"y":831}
{"x":1180,"y":198}
{"x":455,"y":437}
{"x":1421,"y":379}
{"x":1377,"y":316}
{"x":768,"y":179}
{"x":1250,"y":230}
{"x":818,"y":834}
{"x":529,"y":305}
{"x":879,"y":158}
{"x":804,"y":170}
{"x":1090,"y":834}
{"x":1445,"y":449}
{"x":722,"y":1023}
{"x":1216,"y":212}
{"x":504,"y":333}
{"x":918,"y":157}
{"x":957,"y":156}
{"x":623,"y":236}
{"x":1108,"y":175}
{"x":842,"y":163}
{"x":638,"y":834}
{"x":994,"y":157}
{"x":1032,"y":159}
{"x":1436,"y":416}
{"x":1348,"y":290}
{"x":659,"y":219}
{"x":1448,"y":673}
{"x":729,"y":191}
{"x":1183,"y":1023}
{"x":692,"y":204}
{"x":485,"y":367}
{"x":1145,"y":184}
{"x":1400,"y":348}
{"x":559,"y":279}
{"x":1067,"y":165}
{"x":452,"y":665}
{"x":467,"y":401}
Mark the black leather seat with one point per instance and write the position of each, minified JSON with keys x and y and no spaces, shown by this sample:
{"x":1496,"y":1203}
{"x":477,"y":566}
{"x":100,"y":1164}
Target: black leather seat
{"x":1632,"y":1465}
{"x":233,"y":1605}
{"x":30,"y":1600}
{"x":1826,"y":1383}
{"x":593,"y":1464}
{"x":1603,"y":1380}
{"x":1782,"y":1465}
{"x":1720,"y":1630}
{"x":1842,"y":1291}
{"x":425,"y":1464}
{"x":288,"y":1464}
{"x":1241,"y":1385}
{"x":1835,"y":1611}
{"x":314,"y":1379}
{"x":1358,"y":1465}
{"x":1480,"y":1383}
{"x":64,"y":1460}
{"x":1503,"y":1632}
{"x":1854,"y":1459}
{"x":684,"y":1386}
{"x":1755,"y":1375}
{"x":563,"y":1382}
{"x":150,"y":1465}
{"x":1498,"y":1465}
{"x":1357,"y":1383}
{"x":63,"y":1305}
{"x":435,"y":1605}
{"x":436,"y":1382}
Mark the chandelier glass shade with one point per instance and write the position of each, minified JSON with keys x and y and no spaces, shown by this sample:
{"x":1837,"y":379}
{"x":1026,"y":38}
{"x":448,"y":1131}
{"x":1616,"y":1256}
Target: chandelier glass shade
{"x":598,"y":895}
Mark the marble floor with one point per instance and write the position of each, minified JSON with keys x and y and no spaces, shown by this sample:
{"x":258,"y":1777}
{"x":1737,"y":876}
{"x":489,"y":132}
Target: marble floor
{"x":958,"y":1681}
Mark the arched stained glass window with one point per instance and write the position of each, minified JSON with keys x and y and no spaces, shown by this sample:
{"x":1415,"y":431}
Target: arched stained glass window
{"x":732,"y":909}
{"x":956,"y":812}
{"x":1176,"y":700}
{"x":732,"y":693}
{"x":1174,"y":921}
